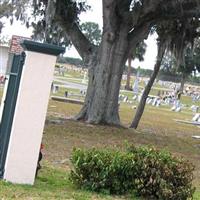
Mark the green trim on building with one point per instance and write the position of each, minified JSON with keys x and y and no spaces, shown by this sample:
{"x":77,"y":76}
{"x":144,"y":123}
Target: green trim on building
{"x":42,"y":47}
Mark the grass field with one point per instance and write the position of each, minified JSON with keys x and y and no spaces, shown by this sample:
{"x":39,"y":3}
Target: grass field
{"x":61,"y":135}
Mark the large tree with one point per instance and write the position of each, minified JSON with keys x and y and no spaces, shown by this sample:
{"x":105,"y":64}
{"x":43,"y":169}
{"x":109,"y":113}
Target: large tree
{"x":125,"y":24}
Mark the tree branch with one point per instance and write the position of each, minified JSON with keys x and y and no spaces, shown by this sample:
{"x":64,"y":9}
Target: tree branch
{"x":160,"y":9}
{"x":84,"y":47}
{"x":68,"y":21}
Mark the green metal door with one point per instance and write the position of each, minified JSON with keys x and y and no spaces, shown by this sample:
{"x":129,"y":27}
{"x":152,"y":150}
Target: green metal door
{"x":9,"y":107}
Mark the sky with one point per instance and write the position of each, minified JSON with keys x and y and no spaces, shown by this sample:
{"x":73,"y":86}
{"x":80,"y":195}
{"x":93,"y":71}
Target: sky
{"x":94,"y":15}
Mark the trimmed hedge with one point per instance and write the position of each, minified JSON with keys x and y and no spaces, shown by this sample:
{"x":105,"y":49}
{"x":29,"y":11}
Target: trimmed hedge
{"x":146,"y":171}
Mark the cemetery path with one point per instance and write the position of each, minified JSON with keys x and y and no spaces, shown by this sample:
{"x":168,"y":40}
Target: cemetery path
{"x":68,"y":84}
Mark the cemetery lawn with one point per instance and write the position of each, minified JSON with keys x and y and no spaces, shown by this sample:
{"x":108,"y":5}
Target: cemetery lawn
{"x":61,"y":135}
{"x":52,"y":183}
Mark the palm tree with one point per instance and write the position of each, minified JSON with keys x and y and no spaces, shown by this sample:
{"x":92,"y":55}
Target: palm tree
{"x":139,"y":54}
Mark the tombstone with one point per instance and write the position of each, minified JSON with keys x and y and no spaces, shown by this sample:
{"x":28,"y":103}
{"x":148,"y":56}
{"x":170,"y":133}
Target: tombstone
{"x":194,"y":108}
{"x":61,"y":70}
{"x":178,"y":109}
{"x":125,"y":99}
{"x":84,"y":78}
{"x":139,"y":97}
{"x":196,"y":117}
{"x":193,"y":98}
{"x":146,"y":81}
{"x":173,"y":108}
{"x":134,"y":97}
{"x":24,"y":111}
{"x":83,"y":92}
{"x":154,"y":102}
{"x":55,"y":89}
{"x":121,"y":97}
{"x":167,"y":101}
{"x":149,"y":100}
{"x":124,"y":77}
{"x":177,"y":106}
{"x":136,"y":86}
{"x":158,"y":103}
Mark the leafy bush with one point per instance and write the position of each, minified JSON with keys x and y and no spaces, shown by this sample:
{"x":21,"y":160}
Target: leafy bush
{"x":103,"y":170}
{"x":161,"y":175}
{"x":147,"y":171}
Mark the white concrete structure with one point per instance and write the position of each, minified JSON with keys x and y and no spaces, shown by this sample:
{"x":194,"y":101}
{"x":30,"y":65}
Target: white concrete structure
{"x":3,"y":59}
{"x":29,"y":117}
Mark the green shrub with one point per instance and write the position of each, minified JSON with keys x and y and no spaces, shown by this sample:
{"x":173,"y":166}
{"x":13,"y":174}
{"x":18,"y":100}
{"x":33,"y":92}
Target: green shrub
{"x":149,"y":172}
{"x":161,"y":175}
{"x":103,"y":170}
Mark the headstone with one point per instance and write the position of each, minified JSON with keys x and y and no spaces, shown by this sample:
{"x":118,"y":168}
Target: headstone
{"x":54,"y":89}
{"x":84,"y":77}
{"x":146,"y":81}
{"x":61,"y":70}
{"x":149,"y":100}
{"x":134,"y":97}
{"x":173,"y":108}
{"x":154,"y":102}
{"x":125,"y":99}
{"x":195,"y":108}
{"x":178,"y":109}
{"x":139,"y":97}
{"x":177,"y":106}
{"x":136,"y":86}
{"x":158,"y":103}
{"x":196,"y":117}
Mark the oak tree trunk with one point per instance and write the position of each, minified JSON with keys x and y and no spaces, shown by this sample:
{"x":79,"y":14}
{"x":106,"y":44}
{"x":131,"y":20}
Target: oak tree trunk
{"x":141,"y":106}
{"x":101,"y":101}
